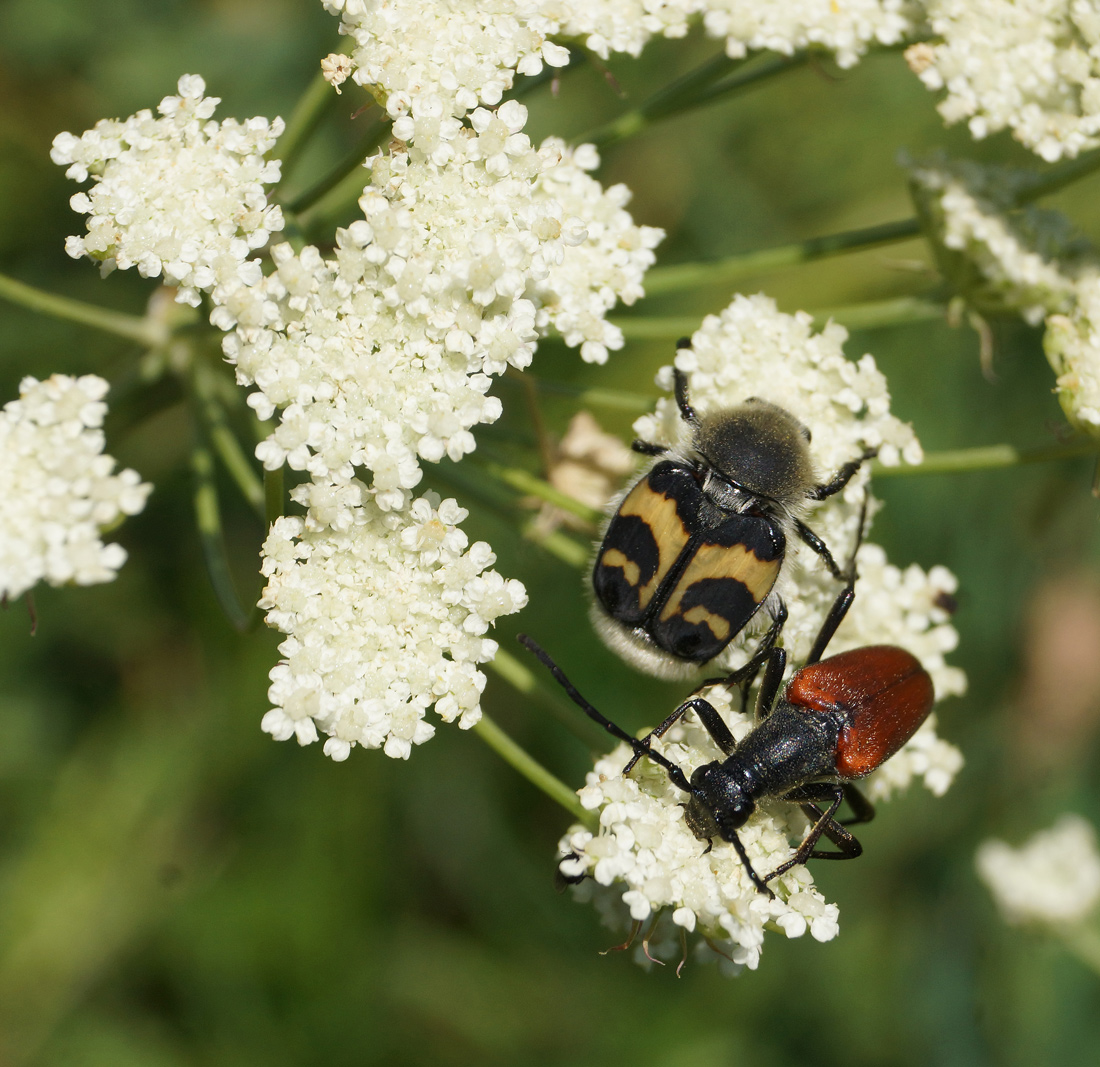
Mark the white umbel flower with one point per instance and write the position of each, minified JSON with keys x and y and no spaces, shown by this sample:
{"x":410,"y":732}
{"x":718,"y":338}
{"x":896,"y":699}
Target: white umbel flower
{"x":443,"y":58}
{"x":382,"y":356}
{"x":646,"y":857}
{"x":1054,"y":879}
{"x":180,"y":196}
{"x":385,"y":614}
{"x":847,"y":28}
{"x":1032,"y":66}
{"x":1072,"y":344}
{"x":1015,"y":253}
{"x":607,"y":26}
{"x":604,"y":258}
{"x":57,"y":489}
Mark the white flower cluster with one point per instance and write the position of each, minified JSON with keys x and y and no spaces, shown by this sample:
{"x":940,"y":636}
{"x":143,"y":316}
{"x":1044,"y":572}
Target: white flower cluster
{"x":752,"y":349}
{"x":430,"y":62}
{"x":606,"y":267}
{"x":180,"y":196}
{"x":381,"y":356}
{"x":1003,"y":259}
{"x":644,"y":844}
{"x":472,"y":245}
{"x":1053,"y":879}
{"x":608,"y":26}
{"x":967,"y":208}
{"x":847,"y":29}
{"x":436,"y":60}
{"x":384,"y":616}
{"x":1072,"y":345}
{"x":1032,"y":66}
{"x":57,"y":492}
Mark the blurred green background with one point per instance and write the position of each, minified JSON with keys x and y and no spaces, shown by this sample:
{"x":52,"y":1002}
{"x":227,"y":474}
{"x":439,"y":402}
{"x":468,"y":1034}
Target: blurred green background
{"x":177,"y":889}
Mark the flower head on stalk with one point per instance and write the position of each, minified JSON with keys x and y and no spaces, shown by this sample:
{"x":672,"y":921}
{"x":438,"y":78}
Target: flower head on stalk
{"x":472,"y":245}
{"x":1053,"y":879}
{"x":1004,"y":259}
{"x":846,"y":29}
{"x":180,"y":196}
{"x":752,"y":349}
{"x":382,"y":356}
{"x":57,"y":489}
{"x":1032,"y":66}
{"x":386,"y":614}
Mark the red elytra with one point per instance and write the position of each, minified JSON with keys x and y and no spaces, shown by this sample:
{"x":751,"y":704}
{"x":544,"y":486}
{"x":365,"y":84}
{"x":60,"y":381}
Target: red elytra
{"x":884,"y":690}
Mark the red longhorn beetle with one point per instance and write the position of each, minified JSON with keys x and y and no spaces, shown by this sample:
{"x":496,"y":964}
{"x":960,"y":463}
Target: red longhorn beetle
{"x":836,"y":721}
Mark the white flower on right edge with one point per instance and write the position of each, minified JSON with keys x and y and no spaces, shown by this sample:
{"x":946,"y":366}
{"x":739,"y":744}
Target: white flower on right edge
{"x":645,"y":864}
{"x":1004,"y":259}
{"x":1053,"y":879}
{"x":57,"y":489}
{"x":1032,"y":66}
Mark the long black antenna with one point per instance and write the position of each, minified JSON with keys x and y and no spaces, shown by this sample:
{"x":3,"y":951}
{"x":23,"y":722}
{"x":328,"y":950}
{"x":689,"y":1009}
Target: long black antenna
{"x":640,"y":748}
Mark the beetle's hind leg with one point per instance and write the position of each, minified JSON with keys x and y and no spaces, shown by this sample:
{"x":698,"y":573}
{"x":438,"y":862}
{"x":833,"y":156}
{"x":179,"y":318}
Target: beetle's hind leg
{"x":825,"y":825}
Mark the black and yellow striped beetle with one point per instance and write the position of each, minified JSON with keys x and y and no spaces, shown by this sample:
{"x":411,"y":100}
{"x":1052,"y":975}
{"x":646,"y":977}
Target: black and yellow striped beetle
{"x":695,"y":546}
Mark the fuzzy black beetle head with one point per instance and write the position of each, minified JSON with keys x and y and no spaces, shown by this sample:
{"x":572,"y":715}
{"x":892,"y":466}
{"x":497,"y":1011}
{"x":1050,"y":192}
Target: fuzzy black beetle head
{"x":760,"y":447}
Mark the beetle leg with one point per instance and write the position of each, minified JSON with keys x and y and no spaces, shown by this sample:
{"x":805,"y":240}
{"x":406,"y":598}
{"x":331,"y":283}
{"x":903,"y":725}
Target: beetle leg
{"x":819,"y":546}
{"x":825,"y":824}
{"x":842,"y":477}
{"x":710,"y":718}
{"x":746,"y":674}
{"x":687,"y":412}
{"x":648,"y":448}
{"x":760,"y":883}
{"x":844,"y":599}
{"x":832,"y":621}
{"x":862,"y":809}
{"x":769,"y":687}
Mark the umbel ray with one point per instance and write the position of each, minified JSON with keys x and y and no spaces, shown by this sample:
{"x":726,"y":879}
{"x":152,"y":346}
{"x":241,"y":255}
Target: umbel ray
{"x":835,"y":722}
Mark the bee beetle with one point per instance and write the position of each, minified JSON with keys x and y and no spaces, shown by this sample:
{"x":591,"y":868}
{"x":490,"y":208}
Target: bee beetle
{"x":836,"y":721}
{"x":696,"y":544}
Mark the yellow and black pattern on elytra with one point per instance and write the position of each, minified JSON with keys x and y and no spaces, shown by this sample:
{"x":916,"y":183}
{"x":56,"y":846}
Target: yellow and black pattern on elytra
{"x":687,"y":575}
{"x":723,"y":581}
{"x":645,"y":540}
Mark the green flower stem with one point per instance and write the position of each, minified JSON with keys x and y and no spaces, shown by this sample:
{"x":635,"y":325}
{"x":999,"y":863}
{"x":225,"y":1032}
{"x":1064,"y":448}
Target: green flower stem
{"x":709,"y":84}
{"x":598,"y":398}
{"x":682,"y":276}
{"x":1084,"y":943}
{"x":876,"y":313}
{"x":533,"y":771}
{"x":1057,"y":178}
{"x":655,"y":327}
{"x":274,"y":499}
{"x":318,"y":99}
{"x":525,"y":482}
{"x":237,"y":463}
{"x":990,"y":457}
{"x":524,"y":681}
{"x":562,"y":546}
{"x":208,"y":519}
{"x":341,"y":176}
{"x":145,"y":331}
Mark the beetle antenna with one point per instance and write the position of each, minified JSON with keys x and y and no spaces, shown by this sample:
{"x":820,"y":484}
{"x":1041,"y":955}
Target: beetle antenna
{"x":640,"y":748}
